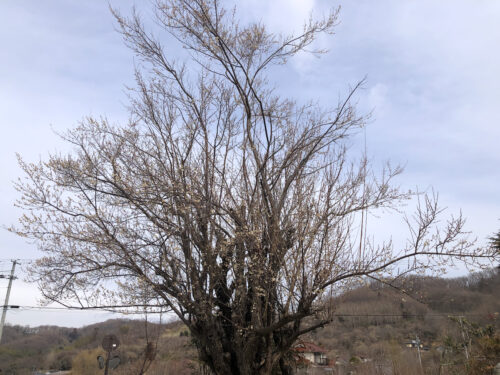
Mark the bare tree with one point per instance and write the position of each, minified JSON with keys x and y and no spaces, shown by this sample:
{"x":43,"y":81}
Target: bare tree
{"x":495,"y":241}
{"x":235,"y":208}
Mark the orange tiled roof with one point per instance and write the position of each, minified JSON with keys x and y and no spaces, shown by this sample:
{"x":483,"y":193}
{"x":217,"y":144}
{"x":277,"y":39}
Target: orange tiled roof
{"x":308,"y":347}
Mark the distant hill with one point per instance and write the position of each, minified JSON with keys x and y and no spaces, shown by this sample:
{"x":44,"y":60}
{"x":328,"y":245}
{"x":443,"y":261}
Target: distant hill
{"x":376,"y":321}
{"x":50,"y":347}
{"x":372,"y":325}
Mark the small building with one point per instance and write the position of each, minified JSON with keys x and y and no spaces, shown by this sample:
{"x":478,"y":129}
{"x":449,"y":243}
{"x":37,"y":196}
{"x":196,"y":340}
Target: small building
{"x":311,"y":359}
{"x":496,"y":370}
{"x":312,"y":353}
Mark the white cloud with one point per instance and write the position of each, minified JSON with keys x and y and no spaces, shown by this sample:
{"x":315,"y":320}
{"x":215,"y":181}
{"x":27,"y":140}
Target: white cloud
{"x":378,"y":98}
{"x":280,"y":16}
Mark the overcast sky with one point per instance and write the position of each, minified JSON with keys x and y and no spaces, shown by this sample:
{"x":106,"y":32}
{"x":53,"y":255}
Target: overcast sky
{"x":432,"y":81}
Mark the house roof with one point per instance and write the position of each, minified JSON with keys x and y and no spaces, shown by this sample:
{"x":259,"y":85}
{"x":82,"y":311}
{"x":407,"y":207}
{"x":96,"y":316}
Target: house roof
{"x":308,"y":347}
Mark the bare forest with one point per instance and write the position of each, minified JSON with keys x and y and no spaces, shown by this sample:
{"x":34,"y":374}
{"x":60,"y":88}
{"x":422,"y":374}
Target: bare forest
{"x":369,"y":335}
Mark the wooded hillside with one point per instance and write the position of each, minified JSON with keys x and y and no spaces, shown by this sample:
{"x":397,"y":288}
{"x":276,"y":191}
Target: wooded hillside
{"x":373,"y":325}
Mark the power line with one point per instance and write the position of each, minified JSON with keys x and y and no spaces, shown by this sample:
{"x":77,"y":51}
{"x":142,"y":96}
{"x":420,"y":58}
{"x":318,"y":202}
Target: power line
{"x":8,"y":277}
{"x":109,"y":309}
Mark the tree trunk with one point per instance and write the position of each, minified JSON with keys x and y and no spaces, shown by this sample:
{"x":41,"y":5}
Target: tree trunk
{"x":225,"y":356}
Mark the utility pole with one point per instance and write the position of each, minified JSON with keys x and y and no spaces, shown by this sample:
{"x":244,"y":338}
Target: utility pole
{"x":5,"y":305}
{"x":419,"y":356}
{"x":466,"y":342}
